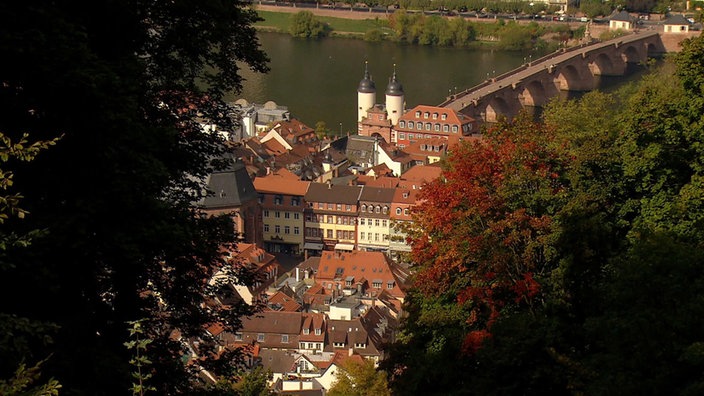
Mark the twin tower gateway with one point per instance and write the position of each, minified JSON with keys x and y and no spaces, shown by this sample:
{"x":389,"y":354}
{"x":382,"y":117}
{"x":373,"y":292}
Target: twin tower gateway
{"x":366,"y":97}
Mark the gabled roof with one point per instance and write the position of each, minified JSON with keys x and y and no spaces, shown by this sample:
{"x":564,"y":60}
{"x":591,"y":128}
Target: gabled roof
{"x":278,"y":361}
{"x":231,"y":188}
{"x":382,"y":181}
{"x":419,"y":175}
{"x":369,"y":266}
{"x":453,"y":117}
{"x":281,"y":181}
{"x":676,"y":19}
{"x":275,"y":322}
{"x":621,"y":16}
{"x":329,"y":193}
{"x":283,"y":302}
{"x":377,"y":194}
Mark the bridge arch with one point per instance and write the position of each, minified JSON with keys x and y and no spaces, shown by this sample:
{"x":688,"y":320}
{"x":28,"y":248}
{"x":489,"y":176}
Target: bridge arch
{"x":569,"y":78}
{"x":496,"y":108}
{"x":605,"y":65}
{"x":534,"y":94}
{"x":630,"y":54}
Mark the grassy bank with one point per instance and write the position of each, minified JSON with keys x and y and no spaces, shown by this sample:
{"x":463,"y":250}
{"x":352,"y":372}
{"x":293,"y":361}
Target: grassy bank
{"x":279,"y":21}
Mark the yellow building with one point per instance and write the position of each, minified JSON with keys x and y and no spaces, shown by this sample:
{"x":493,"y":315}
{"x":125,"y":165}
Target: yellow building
{"x":374,"y":219}
{"x":330,"y":217}
{"x":281,"y":196}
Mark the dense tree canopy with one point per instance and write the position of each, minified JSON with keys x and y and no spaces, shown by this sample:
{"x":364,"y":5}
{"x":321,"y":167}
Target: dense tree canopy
{"x":123,"y":84}
{"x":564,"y":257}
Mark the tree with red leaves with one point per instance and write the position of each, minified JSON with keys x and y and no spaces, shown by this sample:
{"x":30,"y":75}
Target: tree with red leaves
{"x":484,"y":229}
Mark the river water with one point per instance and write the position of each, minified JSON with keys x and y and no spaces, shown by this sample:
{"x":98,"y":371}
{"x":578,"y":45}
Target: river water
{"x":317,"y":79}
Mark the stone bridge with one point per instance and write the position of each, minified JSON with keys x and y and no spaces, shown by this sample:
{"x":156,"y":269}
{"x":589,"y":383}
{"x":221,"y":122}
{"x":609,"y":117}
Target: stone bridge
{"x":569,"y":69}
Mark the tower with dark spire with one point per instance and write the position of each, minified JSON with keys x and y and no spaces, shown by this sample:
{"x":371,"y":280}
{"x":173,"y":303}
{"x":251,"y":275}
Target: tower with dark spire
{"x":366,"y":94}
{"x":394,"y":99}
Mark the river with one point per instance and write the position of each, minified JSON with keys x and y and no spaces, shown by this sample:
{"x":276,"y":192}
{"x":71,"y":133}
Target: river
{"x":317,"y":79}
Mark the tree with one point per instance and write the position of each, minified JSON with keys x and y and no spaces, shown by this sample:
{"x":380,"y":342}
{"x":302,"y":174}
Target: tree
{"x":305,"y":25}
{"x":125,"y":84}
{"x":356,"y":378}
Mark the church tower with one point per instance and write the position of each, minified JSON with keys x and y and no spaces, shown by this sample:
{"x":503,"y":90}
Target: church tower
{"x":394,"y":99}
{"x":366,"y":95}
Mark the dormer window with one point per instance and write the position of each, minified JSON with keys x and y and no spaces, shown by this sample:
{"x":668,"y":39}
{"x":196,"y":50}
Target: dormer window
{"x":426,"y":115}
{"x":306,"y":331}
{"x":278,"y":199}
{"x":410,"y":124}
{"x":318,"y":331}
{"x":378,"y":209}
{"x":405,"y":212}
{"x":417,"y":114}
{"x":402,"y":124}
{"x":364,"y":208}
{"x":398,"y":211}
{"x":435,"y":116}
{"x":444,"y":116}
{"x":385,"y":210}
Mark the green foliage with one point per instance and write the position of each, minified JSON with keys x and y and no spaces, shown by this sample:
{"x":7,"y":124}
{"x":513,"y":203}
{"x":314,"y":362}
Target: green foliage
{"x":374,"y":35}
{"x":24,"y":377}
{"x":359,"y":379}
{"x":254,"y":383}
{"x":305,"y":25}
{"x":139,"y":360}
{"x":618,"y":307}
{"x":116,"y":199}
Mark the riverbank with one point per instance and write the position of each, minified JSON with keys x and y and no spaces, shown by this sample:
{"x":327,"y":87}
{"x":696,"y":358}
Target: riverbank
{"x":487,"y":33}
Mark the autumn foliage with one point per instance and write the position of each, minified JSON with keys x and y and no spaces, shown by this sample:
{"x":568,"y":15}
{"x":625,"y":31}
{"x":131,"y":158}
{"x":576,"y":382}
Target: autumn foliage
{"x":483,"y":230}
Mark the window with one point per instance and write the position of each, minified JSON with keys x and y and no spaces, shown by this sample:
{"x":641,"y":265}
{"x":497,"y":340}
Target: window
{"x":296,"y":216}
{"x":329,"y":234}
{"x":378,"y":209}
{"x":402,"y":136}
{"x":405,"y":212}
{"x":277,"y":214}
{"x":435,"y":116}
{"x":419,"y":126}
{"x":426,"y":115}
{"x":361,"y":235}
{"x":339,"y":206}
{"x":317,"y":331}
{"x":376,"y":222}
{"x":402,"y":124}
{"x":331,"y":206}
{"x":338,"y":234}
{"x":454,"y":128}
{"x":427,"y":126}
{"x":295,"y":201}
{"x":390,"y":285}
{"x":260,"y":198}
{"x":348,"y":208}
{"x":364,"y":208}
{"x":385,"y":210}
{"x":287,"y":215}
{"x":284,"y":337}
{"x":376,"y":284}
{"x":446,"y":128}
{"x":287,"y":229}
{"x":306,"y":331}
{"x":330,"y":219}
{"x":384,"y":223}
{"x":386,"y":237}
{"x":444,"y":116}
{"x":376,"y":237}
{"x":437,"y":128}
{"x":361,"y":221}
{"x":410,"y":136}
{"x":410,"y":124}
{"x":278,"y":199}
{"x":260,"y":337}
{"x":277,"y":229}
{"x":266,"y":212}
{"x":296,"y":231}
{"x":310,"y":346}
{"x":266,"y":227}
{"x":398,"y":211}
{"x":417,"y":114}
